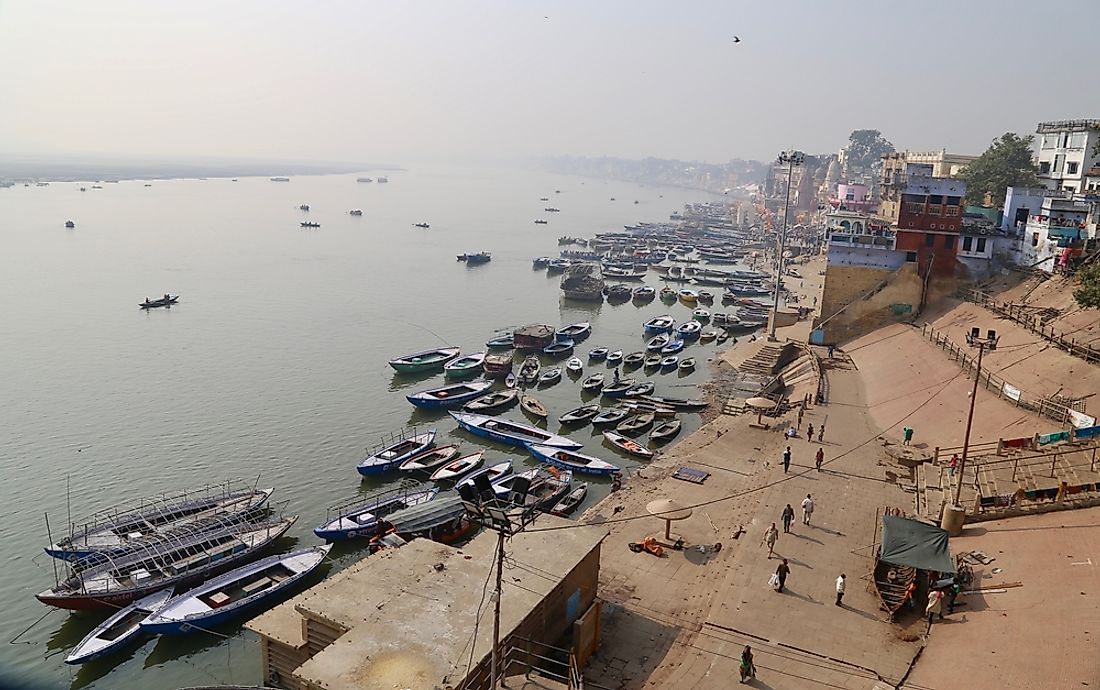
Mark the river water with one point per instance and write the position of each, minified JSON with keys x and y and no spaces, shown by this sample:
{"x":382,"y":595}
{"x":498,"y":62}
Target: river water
{"x":273,"y":365}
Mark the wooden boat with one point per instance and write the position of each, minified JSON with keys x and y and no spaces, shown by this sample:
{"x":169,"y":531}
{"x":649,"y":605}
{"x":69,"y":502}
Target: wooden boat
{"x":636,"y":424}
{"x":500,"y":342}
{"x":663,"y":433}
{"x":598,"y":353}
{"x":580,"y":415}
{"x":722,"y":337}
{"x":533,"y":407}
{"x":689,"y":330}
{"x":891,"y":583}
{"x":688,"y":296}
{"x":637,"y":405}
{"x":708,"y":335}
{"x":166,"y":301}
{"x":476,"y":258}
{"x":634,"y":360}
{"x":421,"y":225}
{"x":510,"y":381}
{"x":613,"y":415}
{"x":453,"y":395}
{"x":706,"y":297}
{"x":570,"y":502}
{"x":618,"y":390}
{"x":593,"y":382}
{"x":574,"y":366}
{"x":182,"y":559}
{"x":701,"y":315}
{"x":498,"y":365}
{"x":644,"y":293}
{"x":573,"y":461}
{"x":628,"y":445}
{"x":653,"y":361}
{"x":493,"y":473}
{"x":529,"y":371}
{"x":507,"y":431}
{"x":719,"y":319}
{"x":667,"y":294}
{"x":240,"y":590}
{"x":638,"y":389}
{"x":360,"y":516}
{"x":540,"y":262}
{"x":389,"y":457}
{"x":678,"y":403}
{"x":574,"y":331}
{"x":658,"y":342}
{"x":659,"y":324}
{"x":429,"y":460}
{"x":550,"y":376}
{"x":559,"y":348}
{"x":688,"y":364}
{"x":467,"y":365}
{"x":675,"y":345}
{"x":118,"y":630}
{"x":309,"y":224}
{"x":428,"y":360}
{"x":493,"y":401}
{"x":614,"y":357}
{"x":122,"y":527}
{"x":548,"y":485}
{"x":455,"y":469}
{"x":70,"y":224}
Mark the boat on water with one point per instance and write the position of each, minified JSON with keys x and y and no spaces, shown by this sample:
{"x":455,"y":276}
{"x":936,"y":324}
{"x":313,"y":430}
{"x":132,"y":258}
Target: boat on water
{"x":570,"y":502}
{"x":644,"y":293}
{"x":635,"y":424}
{"x":546,"y":486}
{"x":364,"y":179}
{"x":382,"y":179}
{"x":182,"y":559}
{"x":529,"y":371}
{"x":355,"y":212}
{"x":476,"y":259}
{"x":491,"y":473}
{"x":675,"y":345}
{"x":303,"y":207}
{"x":625,"y":273}
{"x":628,"y":445}
{"x":453,"y":395}
{"x":550,"y":376}
{"x":497,"y":365}
{"x":723,"y":336}
{"x":456,"y":469}
{"x":658,"y":342}
{"x":533,"y":337}
{"x":166,"y":301}
{"x":677,"y":403}
{"x":574,"y":331}
{"x":580,"y":415}
{"x":540,"y":262}
{"x":428,"y":360}
{"x":464,"y":366}
{"x":614,"y":357}
{"x":611,"y":416}
{"x":119,"y":630}
{"x":559,"y":348}
{"x":500,"y":342}
{"x":541,"y":221}
{"x":574,"y":366}
{"x":309,"y":224}
{"x":495,"y":400}
{"x":593,"y":382}
{"x":653,"y":361}
{"x":633,"y":360}
{"x":708,"y":335}
{"x":687,"y":364}
{"x":669,"y":363}
{"x":69,"y":224}
{"x":701,"y":315}
{"x":659,"y":324}
{"x":618,"y":389}
{"x":428,"y":460}
{"x":689,"y":330}
{"x":598,"y":353}
{"x":273,"y":179}
{"x":688,"y":296}
{"x":533,"y":407}
{"x":639,"y":389}
{"x":665,"y":432}
{"x":360,"y":516}
{"x":421,"y":225}
{"x":388,"y":457}
{"x":558,"y":265}
{"x":578,"y":463}
{"x":510,"y":380}
{"x":234,"y":593}
{"x":667,"y":295}
{"x":507,"y":431}
{"x":706,"y":297}
{"x":619,"y":293}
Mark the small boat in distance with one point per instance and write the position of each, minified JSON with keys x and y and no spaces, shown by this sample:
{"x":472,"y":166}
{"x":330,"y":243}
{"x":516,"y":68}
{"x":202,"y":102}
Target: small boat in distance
{"x":273,"y":179}
{"x":421,"y":225}
{"x":574,"y":366}
{"x":355,"y":212}
{"x":70,"y":224}
{"x":540,"y":221}
{"x":364,"y":179}
{"x":118,"y":630}
{"x":309,"y":224}
{"x":628,"y":445}
{"x":166,"y":301}
{"x":303,"y":207}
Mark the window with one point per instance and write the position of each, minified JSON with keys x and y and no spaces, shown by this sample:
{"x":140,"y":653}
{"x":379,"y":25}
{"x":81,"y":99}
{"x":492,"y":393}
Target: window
{"x":950,"y":210}
{"x":934,"y":210}
{"x":1044,"y":167}
{"x":1034,"y":239}
{"x":1059,"y":160}
{"x":1069,"y":188}
{"x":981,"y":245}
{"x":911,"y":257}
{"x":914,"y":208}
{"x":1071,"y":168}
{"x":929,"y":240}
{"x":1076,"y":140}
{"x":949,"y":242}
{"x":968,"y":242}
{"x":1050,"y":141}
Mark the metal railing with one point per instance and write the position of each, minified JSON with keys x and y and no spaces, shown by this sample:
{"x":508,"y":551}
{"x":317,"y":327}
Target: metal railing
{"x":526,"y":657}
{"x":1033,"y":321}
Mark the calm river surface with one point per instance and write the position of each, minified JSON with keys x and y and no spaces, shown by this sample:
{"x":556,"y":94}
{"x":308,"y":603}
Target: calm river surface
{"x":272,"y":365}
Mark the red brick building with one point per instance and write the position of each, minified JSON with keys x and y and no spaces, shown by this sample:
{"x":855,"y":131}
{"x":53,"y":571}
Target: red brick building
{"x":925,"y":212}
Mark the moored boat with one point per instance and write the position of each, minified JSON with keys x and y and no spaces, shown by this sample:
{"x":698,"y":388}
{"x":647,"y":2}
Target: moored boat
{"x":388,"y":457}
{"x":614,"y":357}
{"x":560,"y":348}
{"x":665,"y":432}
{"x":658,"y":342}
{"x":644,"y":293}
{"x":633,"y":360}
{"x":659,"y":324}
{"x":453,"y":395}
{"x":119,"y":630}
{"x":678,"y":403}
{"x":689,"y":330}
{"x":598,"y":354}
{"x":428,"y":360}
{"x":497,"y":365}
{"x":360,"y":516}
{"x":464,"y":366}
{"x":492,"y":473}
{"x":533,"y":407}
{"x":618,"y":389}
{"x":574,"y":331}
{"x":500,"y":342}
{"x":574,"y":366}
{"x":653,"y":361}
{"x":701,"y":315}
{"x":628,"y":445}
{"x":455,"y":469}
{"x":493,"y":401}
{"x":688,"y":296}
{"x":635,"y":424}
{"x":507,"y":431}
{"x":571,"y":501}
{"x":638,"y":389}
{"x":708,"y":335}
{"x":529,"y":371}
{"x":550,"y":376}
{"x":688,"y":364}
{"x":429,"y":460}
{"x":593,"y":383}
{"x":578,"y":463}
{"x":674,"y":345}
{"x":610,"y":416}
{"x":579,"y":415}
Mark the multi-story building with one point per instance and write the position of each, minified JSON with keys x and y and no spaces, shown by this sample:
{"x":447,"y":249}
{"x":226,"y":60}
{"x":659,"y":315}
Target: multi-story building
{"x":925,"y":211}
{"x":853,"y":197}
{"x":1054,"y":234}
{"x":1068,"y":153}
{"x":943,"y":164}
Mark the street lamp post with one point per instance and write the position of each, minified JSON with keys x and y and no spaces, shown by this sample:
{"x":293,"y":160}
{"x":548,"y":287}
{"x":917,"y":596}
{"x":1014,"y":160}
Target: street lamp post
{"x":790,"y":159}
{"x":973,"y":339}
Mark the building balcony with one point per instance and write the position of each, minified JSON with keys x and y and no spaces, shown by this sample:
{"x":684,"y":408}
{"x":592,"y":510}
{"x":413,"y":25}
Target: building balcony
{"x":887,"y":240}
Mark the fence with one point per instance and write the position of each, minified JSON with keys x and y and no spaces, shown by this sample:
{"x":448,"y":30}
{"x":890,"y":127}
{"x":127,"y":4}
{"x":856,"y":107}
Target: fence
{"x":522,"y":656}
{"x":1044,"y":407}
{"x":1029,"y":319}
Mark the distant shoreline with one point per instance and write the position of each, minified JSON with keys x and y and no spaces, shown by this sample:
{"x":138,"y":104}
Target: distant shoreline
{"x":32,"y":171}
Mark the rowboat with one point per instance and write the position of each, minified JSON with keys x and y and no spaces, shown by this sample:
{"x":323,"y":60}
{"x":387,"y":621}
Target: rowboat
{"x":429,"y":460}
{"x":389,"y":457}
{"x":456,"y":468}
{"x":644,"y":293}
{"x":667,"y":294}
{"x":678,"y":403}
{"x":550,"y":376}
{"x":497,"y":365}
{"x":657,"y":342}
{"x":360,"y":516}
{"x":574,"y":331}
{"x":493,"y":401}
{"x":510,"y":381}
{"x":166,"y":301}
{"x":614,"y":357}
{"x":454,"y":395}
{"x":675,"y":345}
{"x":573,"y":461}
{"x":492,"y":473}
{"x":574,"y":366}
{"x":636,"y":424}
{"x":688,"y":364}
{"x":559,"y":348}
{"x":643,"y":388}
{"x":634,"y":360}
{"x":719,"y":319}
{"x":659,"y":324}
{"x":547,"y":486}
{"x":688,"y":296}
{"x":598,"y":353}
{"x":706,"y":297}
{"x":628,"y":445}
{"x":593,"y":382}
{"x":428,"y":360}
{"x":532,"y":406}
{"x":571,"y":501}
{"x":500,"y":342}
{"x":467,"y":365}
{"x":701,"y":315}
{"x":237,"y":591}
{"x":722,"y":337}
{"x":122,"y":527}
{"x":653,"y":361}
{"x":118,"y":630}
{"x":689,"y":330}
{"x":637,"y":405}
{"x":507,"y":431}
{"x":708,"y":335}
{"x":892,"y":583}
{"x":613,"y":415}
{"x":580,"y":414}
{"x":619,"y":389}
{"x":669,"y":363}
{"x":529,"y":371}
{"x":665,"y":432}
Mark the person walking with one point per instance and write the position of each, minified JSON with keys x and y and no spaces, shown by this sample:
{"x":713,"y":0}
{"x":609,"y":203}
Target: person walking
{"x":821,"y":432}
{"x":831,"y":350}
{"x":840,"y":582}
{"x":819,"y":458}
{"x":786,"y":460}
{"x":810,"y":432}
{"x":770,"y":537}
{"x":807,"y":509}
{"x":748,"y":669}
{"x":953,"y":464}
{"x":788,"y":518}
{"x":935,"y":605}
{"x":907,"y":435}
{"x":782,"y":572}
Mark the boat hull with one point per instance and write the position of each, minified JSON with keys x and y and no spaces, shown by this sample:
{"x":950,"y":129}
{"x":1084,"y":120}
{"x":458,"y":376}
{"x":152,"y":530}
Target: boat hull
{"x":475,"y":425}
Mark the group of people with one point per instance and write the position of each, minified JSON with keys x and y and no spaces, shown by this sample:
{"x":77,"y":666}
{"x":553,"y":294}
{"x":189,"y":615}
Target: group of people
{"x":819,"y":459}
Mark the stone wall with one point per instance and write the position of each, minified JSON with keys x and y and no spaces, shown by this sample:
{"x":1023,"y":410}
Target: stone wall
{"x":898,"y":299}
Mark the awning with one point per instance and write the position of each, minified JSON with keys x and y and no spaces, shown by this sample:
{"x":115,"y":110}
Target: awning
{"x":915,"y":544}
{"x":426,"y":515}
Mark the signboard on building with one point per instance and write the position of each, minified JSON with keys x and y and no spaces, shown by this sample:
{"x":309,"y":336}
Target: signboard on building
{"x":1011,"y":392}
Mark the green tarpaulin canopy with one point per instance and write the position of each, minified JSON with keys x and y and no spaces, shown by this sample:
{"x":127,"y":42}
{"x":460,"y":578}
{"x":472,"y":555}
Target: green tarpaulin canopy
{"x":915,"y":544}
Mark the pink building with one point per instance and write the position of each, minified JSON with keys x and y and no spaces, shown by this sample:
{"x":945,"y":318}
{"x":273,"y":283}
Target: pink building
{"x":853,"y":197}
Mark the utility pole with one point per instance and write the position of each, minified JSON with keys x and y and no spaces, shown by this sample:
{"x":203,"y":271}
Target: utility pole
{"x":973,"y":339}
{"x":791,"y":159}
{"x":494,"y":668}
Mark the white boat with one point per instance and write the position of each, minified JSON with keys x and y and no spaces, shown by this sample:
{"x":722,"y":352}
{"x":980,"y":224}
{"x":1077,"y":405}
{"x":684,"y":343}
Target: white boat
{"x":119,"y":629}
{"x":457,"y":468}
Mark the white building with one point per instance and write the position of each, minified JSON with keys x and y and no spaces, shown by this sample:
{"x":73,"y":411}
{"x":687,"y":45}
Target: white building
{"x":1067,"y":153}
{"x":943,"y":164}
{"x":1053,"y":233}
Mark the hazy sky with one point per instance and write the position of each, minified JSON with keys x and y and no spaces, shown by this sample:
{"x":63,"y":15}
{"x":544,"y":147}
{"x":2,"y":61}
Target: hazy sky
{"x":395,"y":80}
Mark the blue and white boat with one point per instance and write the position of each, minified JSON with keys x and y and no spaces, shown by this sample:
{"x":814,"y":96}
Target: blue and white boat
{"x":236,"y":592}
{"x":597,"y":354}
{"x":572,"y":460}
{"x":674,"y":346}
{"x":689,"y":330}
{"x":507,"y":431}
{"x":559,"y":348}
{"x":659,"y":324}
{"x":669,"y":363}
{"x":118,"y":630}
{"x":454,"y":395}
{"x":493,"y":473}
{"x":574,"y":331}
{"x":391,"y":456}
{"x":657,"y":342}
{"x":359,"y":517}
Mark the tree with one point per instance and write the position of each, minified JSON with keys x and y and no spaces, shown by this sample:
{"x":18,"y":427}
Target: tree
{"x":1087,"y":292}
{"x":866,"y":147}
{"x":1006,"y":163}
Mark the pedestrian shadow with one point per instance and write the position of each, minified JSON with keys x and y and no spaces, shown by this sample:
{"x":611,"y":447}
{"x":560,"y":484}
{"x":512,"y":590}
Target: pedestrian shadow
{"x":859,"y":612}
{"x":803,"y":597}
{"x":807,"y":538}
{"x":794,"y":561}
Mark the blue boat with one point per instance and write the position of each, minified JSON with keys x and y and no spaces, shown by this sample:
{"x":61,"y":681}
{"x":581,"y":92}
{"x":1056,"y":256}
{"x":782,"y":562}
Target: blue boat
{"x":454,"y":395}
{"x":507,"y":431}
{"x":572,"y":460}
{"x":673,"y":346}
{"x":359,"y":516}
{"x":494,"y":473}
{"x":689,"y":330}
{"x":574,"y":331}
{"x":559,"y":348}
{"x":501,"y":342}
{"x":669,"y":363}
{"x":659,"y":324}
{"x":390,"y":456}
{"x":118,"y":630}
{"x":236,"y":592}
{"x":597,"y":354}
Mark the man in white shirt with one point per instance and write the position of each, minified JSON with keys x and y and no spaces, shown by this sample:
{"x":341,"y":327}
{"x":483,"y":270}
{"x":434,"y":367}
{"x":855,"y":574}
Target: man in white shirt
{"x":807,"y":509}
{"x":840,"y":582}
